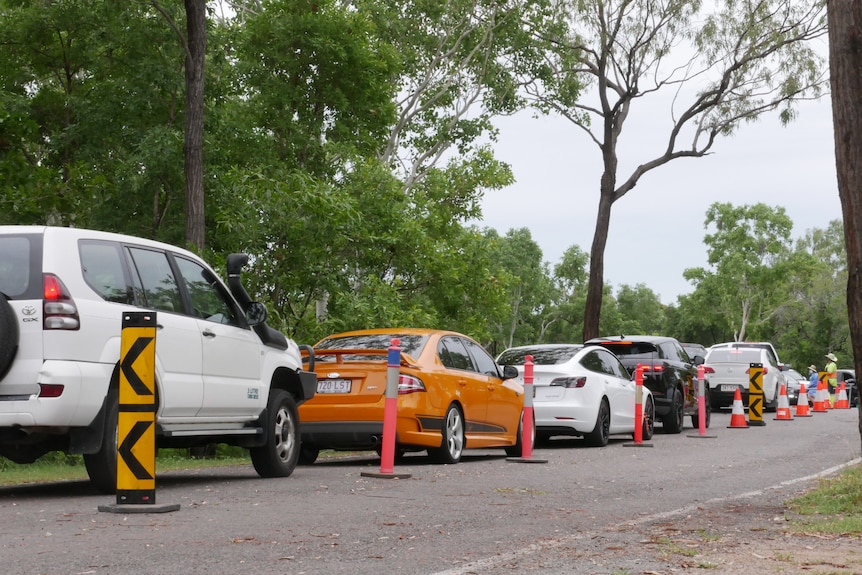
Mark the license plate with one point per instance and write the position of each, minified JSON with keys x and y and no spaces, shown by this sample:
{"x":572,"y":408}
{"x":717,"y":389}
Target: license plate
{"x":333,"y":386}
{"x":730,"y":388}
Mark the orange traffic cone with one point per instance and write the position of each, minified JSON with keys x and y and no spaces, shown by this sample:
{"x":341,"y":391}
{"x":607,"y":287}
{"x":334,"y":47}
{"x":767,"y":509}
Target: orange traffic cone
{"x":737,"y":414}
{"x":821,"y":398}
{"x":782,"y":412}
{"x":842,"y":402}
{"x":802,"y":402}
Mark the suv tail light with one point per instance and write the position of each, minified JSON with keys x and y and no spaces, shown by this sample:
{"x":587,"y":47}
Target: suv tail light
{"x":409,"y":384}
{"x":58,"y":308}
{"x":653,"y":368}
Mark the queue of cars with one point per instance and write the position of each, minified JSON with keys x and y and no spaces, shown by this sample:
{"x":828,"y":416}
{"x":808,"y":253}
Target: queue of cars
{"x":452,"y":395}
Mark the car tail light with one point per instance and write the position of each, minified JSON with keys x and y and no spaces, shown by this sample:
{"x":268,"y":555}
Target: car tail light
{"x":708,"y":369}
{"x":50,"y":390}
{"x":409,"y":384}
{"x":570,"y":382}
{"x":58,"y":308}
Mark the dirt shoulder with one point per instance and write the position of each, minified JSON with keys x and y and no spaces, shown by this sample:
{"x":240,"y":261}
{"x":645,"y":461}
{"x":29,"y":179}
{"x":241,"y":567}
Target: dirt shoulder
{"x":739,"y":538}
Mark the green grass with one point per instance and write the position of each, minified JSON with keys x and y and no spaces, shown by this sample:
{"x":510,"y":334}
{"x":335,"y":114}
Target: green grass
{"x":60,"y":467}
{"x":834,"y":507}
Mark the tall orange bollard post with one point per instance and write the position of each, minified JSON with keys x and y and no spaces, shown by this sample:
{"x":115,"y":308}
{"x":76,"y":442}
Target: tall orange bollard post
{"x":527,"y":417}
{"x":390,"y":417}
{"x":701,"y":405}
{"x":639,"y":410}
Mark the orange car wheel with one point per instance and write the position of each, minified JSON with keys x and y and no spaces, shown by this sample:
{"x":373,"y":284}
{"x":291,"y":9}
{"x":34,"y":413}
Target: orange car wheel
{"x":453,"y":437}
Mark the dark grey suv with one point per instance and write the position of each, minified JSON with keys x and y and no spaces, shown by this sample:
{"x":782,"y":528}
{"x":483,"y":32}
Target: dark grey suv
{"x":668,"y":371}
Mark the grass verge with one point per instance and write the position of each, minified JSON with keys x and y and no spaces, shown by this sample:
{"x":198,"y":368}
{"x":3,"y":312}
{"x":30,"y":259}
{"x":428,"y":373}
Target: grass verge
{"x":834,"y":507}
{"x":61,"y":467}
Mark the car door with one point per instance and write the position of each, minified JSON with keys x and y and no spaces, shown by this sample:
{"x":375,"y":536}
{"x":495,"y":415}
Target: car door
{"x":470,"y":389}
{"x":231,"y":351}
{"x":620,"y":389}
{"x":179,"y":359}
{"x":503,"y":408}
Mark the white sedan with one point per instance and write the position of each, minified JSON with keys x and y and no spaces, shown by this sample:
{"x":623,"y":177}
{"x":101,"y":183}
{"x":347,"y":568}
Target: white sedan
{"x":581,"y":391}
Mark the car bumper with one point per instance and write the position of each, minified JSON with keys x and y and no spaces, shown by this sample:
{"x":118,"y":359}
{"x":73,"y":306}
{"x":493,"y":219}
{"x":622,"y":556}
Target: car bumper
{"x":85,"y":386}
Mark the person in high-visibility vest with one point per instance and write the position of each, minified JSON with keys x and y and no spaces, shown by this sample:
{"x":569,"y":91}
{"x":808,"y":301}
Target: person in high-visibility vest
{"x":832,"y":376}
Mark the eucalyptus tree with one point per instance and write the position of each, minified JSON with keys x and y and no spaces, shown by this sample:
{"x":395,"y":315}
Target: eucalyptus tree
{"x":530,"y":288}
{"x":711,"y":65}
{"x":845,"y":59}
{"x":747,"y":251}
{"x":812,"y":320}
{"x":90,"y":94}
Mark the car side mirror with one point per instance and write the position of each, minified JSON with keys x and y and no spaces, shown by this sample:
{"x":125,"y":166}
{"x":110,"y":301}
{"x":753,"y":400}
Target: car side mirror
{"x":698,"y":360}
{"x":255,"y":313}
{"x":510,"y":372}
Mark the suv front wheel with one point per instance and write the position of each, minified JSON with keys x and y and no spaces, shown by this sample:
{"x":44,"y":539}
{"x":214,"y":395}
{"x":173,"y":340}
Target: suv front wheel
{"x":279,"y":455}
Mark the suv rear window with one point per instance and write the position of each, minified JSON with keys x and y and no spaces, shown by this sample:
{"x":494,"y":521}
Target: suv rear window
{"x":21,"y":266}
{"x":633,"y":350}
{"x":736,"y":355}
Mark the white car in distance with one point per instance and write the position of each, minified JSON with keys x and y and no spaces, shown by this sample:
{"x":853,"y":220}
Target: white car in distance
{"x":581,"y":391}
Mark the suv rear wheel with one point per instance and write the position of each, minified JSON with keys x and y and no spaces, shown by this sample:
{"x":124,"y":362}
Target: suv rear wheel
{"x":8,"y":334}
{"x":102,"y":465}
{"x":673,"y":421}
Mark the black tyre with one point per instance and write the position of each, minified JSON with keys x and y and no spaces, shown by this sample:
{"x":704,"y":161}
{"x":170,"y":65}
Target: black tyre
{"x":308,"y":454}
{"x":673,"y":421}
{"x":279,"y":455}
{"x":452,"y":445}
{"x":695,"y":417}
{"x":102,"y":465}
{"x":598,"y":437}
{"x":8,"y":335}
{"x":517,"y":450}
{"x":649,"y":419}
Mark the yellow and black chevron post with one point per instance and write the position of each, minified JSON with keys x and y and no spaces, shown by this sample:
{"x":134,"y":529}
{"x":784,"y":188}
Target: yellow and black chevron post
{"x":755,"y":394}
{"x":136,"y":420}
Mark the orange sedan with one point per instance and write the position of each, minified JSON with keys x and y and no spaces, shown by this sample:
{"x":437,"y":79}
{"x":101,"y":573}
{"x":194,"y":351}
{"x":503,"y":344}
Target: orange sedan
{"x":452,"y":395}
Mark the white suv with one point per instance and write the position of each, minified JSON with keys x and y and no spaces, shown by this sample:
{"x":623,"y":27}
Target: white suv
{"x":222,"y":375}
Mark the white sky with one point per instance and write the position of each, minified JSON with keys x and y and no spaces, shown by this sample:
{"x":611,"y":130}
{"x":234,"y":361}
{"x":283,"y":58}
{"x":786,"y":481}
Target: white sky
{"x":657,"y":229}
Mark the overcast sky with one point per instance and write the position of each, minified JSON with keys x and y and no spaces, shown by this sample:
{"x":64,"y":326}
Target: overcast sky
{"x":657,"y":229}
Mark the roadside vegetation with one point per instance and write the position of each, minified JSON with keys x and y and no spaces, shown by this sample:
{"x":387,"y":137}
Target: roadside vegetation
{"x":834,"y":507}
{"x":56,"y":466}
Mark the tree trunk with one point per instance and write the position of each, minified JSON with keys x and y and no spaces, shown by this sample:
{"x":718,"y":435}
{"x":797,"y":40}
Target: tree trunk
{"x":595,"y":286}
{"x":196,"y":35}
{"x":845,"y":62}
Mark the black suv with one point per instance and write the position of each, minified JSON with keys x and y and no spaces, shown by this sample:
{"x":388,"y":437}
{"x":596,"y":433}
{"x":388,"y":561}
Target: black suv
{"x":668,"y":372}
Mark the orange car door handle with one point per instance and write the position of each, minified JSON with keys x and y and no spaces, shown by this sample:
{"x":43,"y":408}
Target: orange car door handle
{"x":462,"y":382}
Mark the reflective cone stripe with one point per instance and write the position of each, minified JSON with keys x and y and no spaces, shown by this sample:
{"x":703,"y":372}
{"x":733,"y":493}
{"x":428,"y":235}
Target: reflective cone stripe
{"x":821,"y":398}
{"x":737,"y":414}
{"x":842,"y":402}
{"x":782,"y":412}
{"x":802,"y":402}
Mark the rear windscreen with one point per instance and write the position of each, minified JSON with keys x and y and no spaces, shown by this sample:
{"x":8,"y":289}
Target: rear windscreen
{"x":410,"y":344}
{"x":21,"y":266}
{"x":734,"y":356}
{"x":636,"y":350}
{"x":541,"y":356}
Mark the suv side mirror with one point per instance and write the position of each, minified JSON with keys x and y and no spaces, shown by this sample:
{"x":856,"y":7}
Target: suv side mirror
{"x":255,"y":313}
